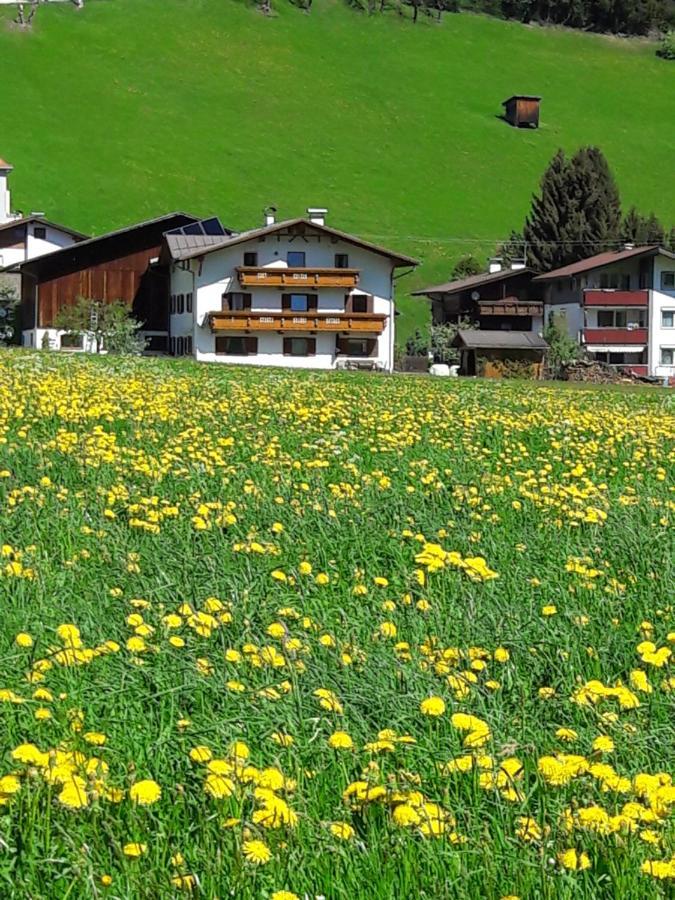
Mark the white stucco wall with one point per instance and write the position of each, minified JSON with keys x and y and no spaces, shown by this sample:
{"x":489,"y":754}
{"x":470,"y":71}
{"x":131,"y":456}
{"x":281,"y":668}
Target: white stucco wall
{"x":216,"y":275}
{"x":659,"y":335}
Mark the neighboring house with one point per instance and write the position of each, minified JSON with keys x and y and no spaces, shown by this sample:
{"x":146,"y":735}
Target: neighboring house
{"x":295,"y":293}
{"x":620,"y":306}
{"x":121,"y":265}
{"x":506,"y":311}
{"x":24,"y":237}
{"x":498,"y":300}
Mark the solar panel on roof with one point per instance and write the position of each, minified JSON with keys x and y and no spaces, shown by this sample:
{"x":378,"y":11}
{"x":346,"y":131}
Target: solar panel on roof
{"x":193,"y":228}
{"x":213,"y":226}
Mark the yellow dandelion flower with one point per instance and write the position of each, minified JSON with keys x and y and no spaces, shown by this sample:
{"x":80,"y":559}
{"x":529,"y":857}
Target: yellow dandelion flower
{"x":145,"y":793}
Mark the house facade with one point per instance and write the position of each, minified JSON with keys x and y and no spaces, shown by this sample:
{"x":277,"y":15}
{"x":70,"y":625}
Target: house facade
{"x":295,"y":293}
{"x":501,"y":314}
{"x":619,"y":306}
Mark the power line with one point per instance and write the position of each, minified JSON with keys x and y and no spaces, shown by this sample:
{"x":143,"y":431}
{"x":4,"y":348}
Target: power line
{"x":457,"y":240}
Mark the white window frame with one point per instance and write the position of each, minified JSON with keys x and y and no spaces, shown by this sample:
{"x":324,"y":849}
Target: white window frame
{"x":671,"y":313}
{"x":670,"y":350}
{"x":664,"y":287}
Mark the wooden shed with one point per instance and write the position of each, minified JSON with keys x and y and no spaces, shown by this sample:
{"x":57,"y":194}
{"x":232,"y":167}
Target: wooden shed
{"x":493,"y":354}
{"x":522,"y":110}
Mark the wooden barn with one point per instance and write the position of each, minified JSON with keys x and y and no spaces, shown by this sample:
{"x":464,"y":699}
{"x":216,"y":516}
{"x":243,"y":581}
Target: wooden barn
{"x":522,"y":110}
{"x":120,"y":265}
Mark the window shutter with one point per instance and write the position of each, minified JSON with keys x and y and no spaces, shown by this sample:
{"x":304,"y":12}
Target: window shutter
{"x":341,"y":345}
{"x":225,"y":305}
{"x":287,"y":346}
{"x":311,"y":346}
{"x":221,"y":344}
{"x":371,"y":345}
{"x":246,"y":300}
{"x":348,"y":303}
{"x":312,"y":302}
{"x":251,"y":345}
{"x":285,"y":302}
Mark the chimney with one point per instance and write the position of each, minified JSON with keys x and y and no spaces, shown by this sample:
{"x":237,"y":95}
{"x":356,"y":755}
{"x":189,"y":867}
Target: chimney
{"x":317,"y":214}
{"x":5,"y":200}
{"x":517,"y":265}
{"x":494,"y":265}
{"x":270,"y":213}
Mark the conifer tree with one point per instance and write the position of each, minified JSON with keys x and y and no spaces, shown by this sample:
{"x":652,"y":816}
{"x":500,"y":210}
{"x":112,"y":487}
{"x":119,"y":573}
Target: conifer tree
{"x":577,"y":213}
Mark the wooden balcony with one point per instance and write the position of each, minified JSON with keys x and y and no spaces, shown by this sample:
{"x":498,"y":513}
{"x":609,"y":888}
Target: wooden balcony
{"x":286,"y":322}
{"x":618,"y":336}
{"x":510,"y":306}
{"x":611,"y":298}
{"x":297,"y":279}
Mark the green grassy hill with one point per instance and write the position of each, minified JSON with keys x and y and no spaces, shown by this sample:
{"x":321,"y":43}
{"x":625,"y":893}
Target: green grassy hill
{"x":130,"y":108}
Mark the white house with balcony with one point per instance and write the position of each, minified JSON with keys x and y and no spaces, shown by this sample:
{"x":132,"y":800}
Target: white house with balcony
{"x":294,"y":293}
{"x":620,"y":306}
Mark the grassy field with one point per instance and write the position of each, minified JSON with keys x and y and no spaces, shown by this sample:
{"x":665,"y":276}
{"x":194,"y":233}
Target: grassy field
{"x":270,"y":632}
{"x":129,"y":109}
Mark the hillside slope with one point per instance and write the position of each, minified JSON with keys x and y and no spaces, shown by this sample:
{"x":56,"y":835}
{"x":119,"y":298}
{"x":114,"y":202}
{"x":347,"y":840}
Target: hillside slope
{"x":133,"y":108}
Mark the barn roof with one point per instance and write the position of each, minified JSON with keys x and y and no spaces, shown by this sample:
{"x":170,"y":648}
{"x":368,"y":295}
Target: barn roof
{"x":27,"y":220}
{"x":476,"y":339}
{"x":97,"y":245}
{"x":399,"y":258}
{"x":600,"y":260}
{"x":463,"y":284}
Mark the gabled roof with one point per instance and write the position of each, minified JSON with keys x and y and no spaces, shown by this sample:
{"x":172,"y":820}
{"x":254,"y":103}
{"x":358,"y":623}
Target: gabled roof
{"x":476,"y":339}
{"x":600,"y":260}
{"x":27,"y":220}
{"x":463,"y":284}
{"x":399,"y":258}
{"x":7,"y":167}
{"x":64,"y":253}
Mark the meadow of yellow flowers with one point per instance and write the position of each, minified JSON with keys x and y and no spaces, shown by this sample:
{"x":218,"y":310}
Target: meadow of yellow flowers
{"x":280,"y":635}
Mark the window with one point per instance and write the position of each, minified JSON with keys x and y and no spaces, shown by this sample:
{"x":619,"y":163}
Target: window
{"x":341,"y":261}
{"x":668,"y":281}
{"x":250,"y":259}
{"x":299,"y":346}
{"x":622,"y":318}
{"x":614,"y":281}
{"x":71,"y":342}
{"x":236,"y":346}
{"x":240,"y":302}
{"x":668,"y":318}
{"x":359,"y":303}
{"x":40,"y":232}
{"x":356,"y":347}
{"x":296,"y":258}
{"x":667,"y":356}
{"x":188,"y":303}
{"x":299,"y":303}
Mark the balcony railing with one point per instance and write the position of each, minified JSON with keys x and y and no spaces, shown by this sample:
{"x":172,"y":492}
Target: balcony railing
{"x":609,"y":298}
{"x":510,"y":306}
{"x":297,"y":278}
{"x":607,"y":336}
{"x":246,"y":320}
